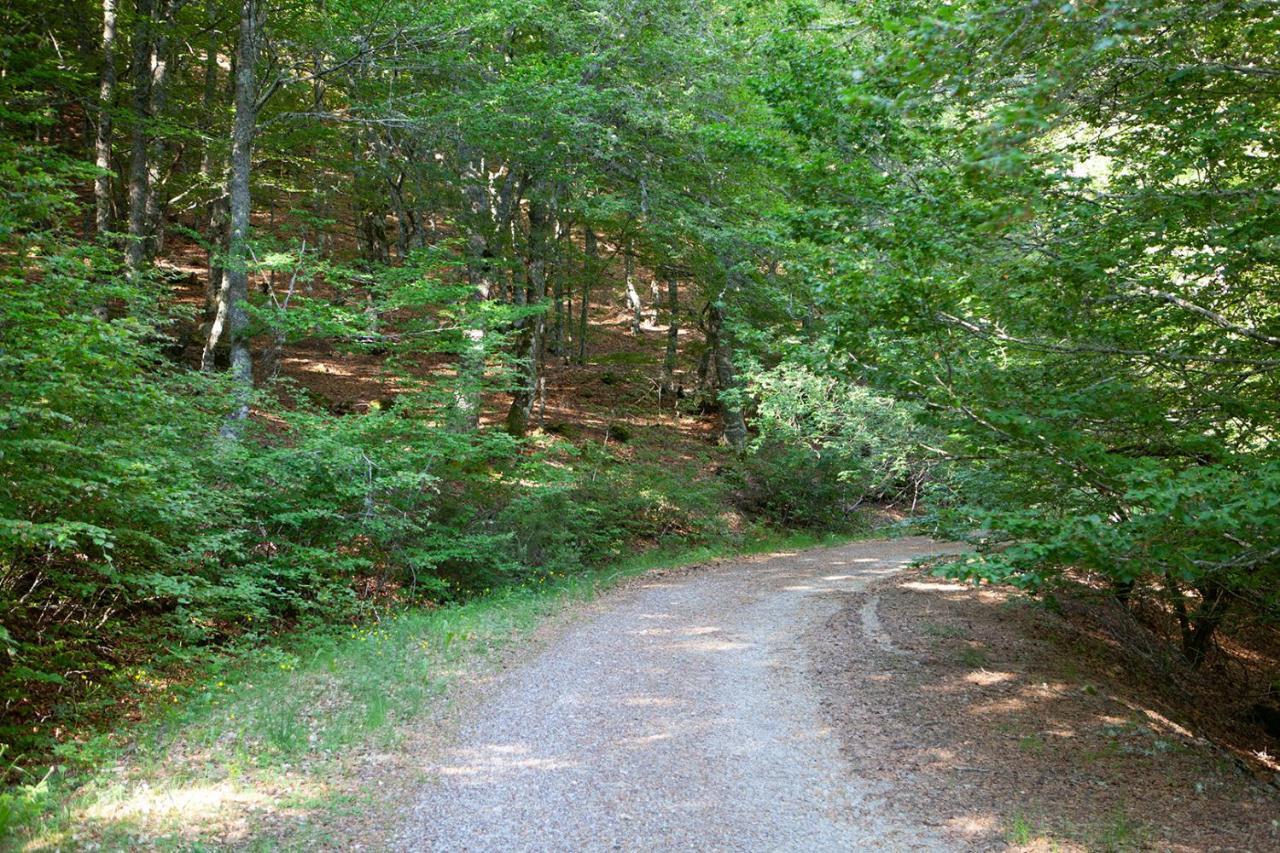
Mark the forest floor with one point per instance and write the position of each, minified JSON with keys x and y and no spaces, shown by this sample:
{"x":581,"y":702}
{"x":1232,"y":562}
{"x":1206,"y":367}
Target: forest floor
{"x":1002,"y":721}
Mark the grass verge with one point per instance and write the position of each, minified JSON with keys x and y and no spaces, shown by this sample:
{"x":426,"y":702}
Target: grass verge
{"x":310,"y":743}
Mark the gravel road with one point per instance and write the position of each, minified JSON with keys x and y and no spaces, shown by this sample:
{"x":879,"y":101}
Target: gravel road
{"x":679,"y":716}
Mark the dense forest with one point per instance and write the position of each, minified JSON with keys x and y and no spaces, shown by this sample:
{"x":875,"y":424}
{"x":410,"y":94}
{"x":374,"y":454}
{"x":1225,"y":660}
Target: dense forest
{"x":315,"y":311}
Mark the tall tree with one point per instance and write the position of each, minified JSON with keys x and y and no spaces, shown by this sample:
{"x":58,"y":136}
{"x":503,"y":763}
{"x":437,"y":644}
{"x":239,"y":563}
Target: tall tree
{"x":141,"y":78}
{"x":102,"y":194}
{"x":234,"y":294}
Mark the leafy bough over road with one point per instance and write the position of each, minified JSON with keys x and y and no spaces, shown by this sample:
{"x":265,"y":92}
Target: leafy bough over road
{"x":681,"y":716}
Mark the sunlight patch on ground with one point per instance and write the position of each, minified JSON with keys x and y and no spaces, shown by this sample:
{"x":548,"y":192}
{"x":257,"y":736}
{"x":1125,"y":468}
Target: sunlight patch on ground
{"x":927,"y":586}
{"x":193,"y":803}
{"x":709,"y":646}
{"x":985,"y":678}
{"x":1000,"y":706}
{"x":980,"y":824}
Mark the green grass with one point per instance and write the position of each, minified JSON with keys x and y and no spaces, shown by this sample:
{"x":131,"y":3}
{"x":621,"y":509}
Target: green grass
{"x":972,"y":656}
{"x":1020,"y":831}
{"x":283,"y":720}
{"x":1031,"y":743}
{"x":1119,"y":833}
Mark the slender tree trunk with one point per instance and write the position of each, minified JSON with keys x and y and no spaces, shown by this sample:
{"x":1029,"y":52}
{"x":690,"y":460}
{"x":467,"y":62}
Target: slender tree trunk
{"x":135,"y":250}
{"x":235,"y":288}
{"x":161,"y":74}
{"x":590,"y":269}
{"x":556,"y":341}
{"x":106,"y":103}
{"x":530,"y":340}
{"x":406,"y":224}
{"x":706,"y":376}
{"x":633,"y":295}
{"x":673,"y":337}
{"x":211,"y":169}
{"x":556,"y":345}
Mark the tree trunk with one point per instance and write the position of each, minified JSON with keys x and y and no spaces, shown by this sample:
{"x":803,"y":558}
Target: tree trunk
{"x":590,"y":268}
{"x":471,"y":361}
{"x":209,"y":164}
{"x":556,"y":342}
{"x":235,"y":288}
{"x":673,"y":337}
{"x":106,"y":103}
{"x":530,"y":339}
{"x":735,"y":427}
{"x":136,"y":248}
{"x":161,"y":73}
{"x":633,"y":295}
{"x":1199,"y":627}
{"x":375,"y":249}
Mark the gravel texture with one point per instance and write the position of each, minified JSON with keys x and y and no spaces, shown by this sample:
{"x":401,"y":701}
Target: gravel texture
{"x":681,"y":716}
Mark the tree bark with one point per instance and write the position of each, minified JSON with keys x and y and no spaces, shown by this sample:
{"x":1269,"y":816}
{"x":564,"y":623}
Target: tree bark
{"x":235,"y":286}
{"x":135,"y":249}
{"x":530,"y":339}
{"x":471,"y":361}
{"x":633,"y":295}
{"x":161,"y":74}
{"x":106,"y":103}
{"x":590,"y":269}
{"x":556,"y":343}
{"x":1199,"y":627}
{"x":673,"y":337}
{"x":735,"y":427}
{"x":210,"y":163}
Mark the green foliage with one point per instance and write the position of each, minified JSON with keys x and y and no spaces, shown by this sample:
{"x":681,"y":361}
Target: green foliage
{"x":824,"y":446}
{"x":1049,"y":224}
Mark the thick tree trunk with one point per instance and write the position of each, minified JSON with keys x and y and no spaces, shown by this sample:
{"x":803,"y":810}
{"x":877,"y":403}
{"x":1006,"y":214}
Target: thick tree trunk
{"x":135,"y":250}
{"x":106,"y":103}
{"x":235,"y":288}
{"x":735,"y":427}
{"x":531,"y":337}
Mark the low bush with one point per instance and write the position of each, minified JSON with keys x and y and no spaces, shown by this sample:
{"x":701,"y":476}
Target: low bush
{"x":824,"y":446}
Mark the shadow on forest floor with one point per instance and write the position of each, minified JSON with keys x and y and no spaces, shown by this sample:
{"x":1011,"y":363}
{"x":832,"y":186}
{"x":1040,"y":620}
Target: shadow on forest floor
{"x":1007,"y":722}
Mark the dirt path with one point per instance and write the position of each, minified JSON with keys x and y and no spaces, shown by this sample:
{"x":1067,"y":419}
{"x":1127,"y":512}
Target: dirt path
{"x":683,"y":716}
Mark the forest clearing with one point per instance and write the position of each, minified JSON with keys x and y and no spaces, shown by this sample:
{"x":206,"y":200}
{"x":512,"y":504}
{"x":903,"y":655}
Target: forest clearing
{"x":588,"y":424}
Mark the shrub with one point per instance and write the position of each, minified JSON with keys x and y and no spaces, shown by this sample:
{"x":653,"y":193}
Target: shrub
{"x":824,"y":446}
